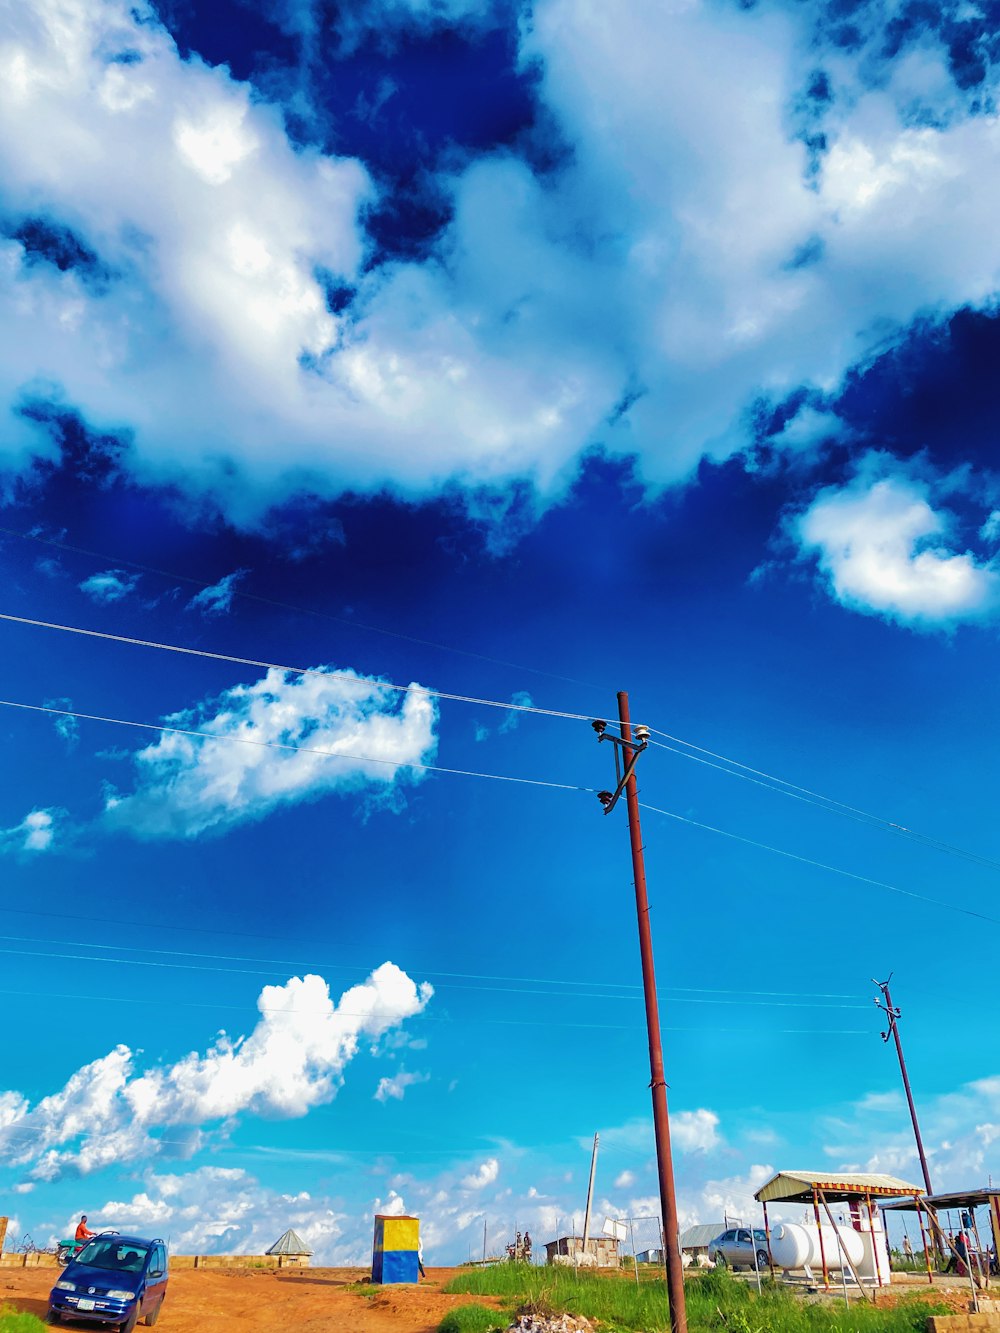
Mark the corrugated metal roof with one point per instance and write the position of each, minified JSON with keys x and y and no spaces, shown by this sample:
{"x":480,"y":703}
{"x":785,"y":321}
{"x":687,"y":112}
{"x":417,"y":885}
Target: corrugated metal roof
{"x":963,"y":1199}
{"x":290,"y":1243}
{"x":700,"y":1236}
{"x":798,"y":1186}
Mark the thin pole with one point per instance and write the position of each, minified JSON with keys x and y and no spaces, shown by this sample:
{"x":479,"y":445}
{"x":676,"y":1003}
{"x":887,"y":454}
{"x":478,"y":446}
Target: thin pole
{"x":841,"y":1248}
{"x":819,"y":1233}
{"x":924,"y":1241}
{"x":894,"y":1029}
{"x":658,"y":1085}
{"x":590,"y":1194}
{"x":876,"y":1257}
{"x":484,"y":1240}
{"x":635,"y":1257}
{"x":767,"y":1237}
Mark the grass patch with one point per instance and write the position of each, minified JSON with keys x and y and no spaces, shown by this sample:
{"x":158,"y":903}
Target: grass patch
{"x":14,"y":1321}
{"x":473,"y":1319}
{"x":716,"y":1302}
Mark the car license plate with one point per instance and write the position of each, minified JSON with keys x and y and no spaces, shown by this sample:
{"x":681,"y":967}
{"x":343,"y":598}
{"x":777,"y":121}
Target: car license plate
{"x":85,"y":1304}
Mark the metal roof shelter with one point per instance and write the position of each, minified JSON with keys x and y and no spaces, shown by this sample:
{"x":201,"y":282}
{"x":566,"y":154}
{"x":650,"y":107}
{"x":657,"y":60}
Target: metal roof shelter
{"x":966,"y":1201}
{"x":700,"y":1236}
{"x":824,"y":1188}
{"x":290,"y":1244}
{"x":801,"y":1187}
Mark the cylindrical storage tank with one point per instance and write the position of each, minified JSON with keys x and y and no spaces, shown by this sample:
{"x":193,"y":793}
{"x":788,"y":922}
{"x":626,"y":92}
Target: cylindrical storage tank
{"x":797,"y":1246}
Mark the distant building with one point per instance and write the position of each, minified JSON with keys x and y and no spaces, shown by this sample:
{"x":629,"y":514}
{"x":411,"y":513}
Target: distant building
{"x":601,"y":1252}
{"x":696,"y":1240}
{"x":291,"y":1250}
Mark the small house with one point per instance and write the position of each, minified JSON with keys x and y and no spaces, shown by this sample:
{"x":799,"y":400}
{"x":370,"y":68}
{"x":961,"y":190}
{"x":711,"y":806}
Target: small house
{"x":601,"y":1252}
{"x":291,"y":1251}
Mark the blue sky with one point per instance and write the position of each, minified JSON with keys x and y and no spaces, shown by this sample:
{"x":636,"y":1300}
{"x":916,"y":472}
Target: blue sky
{"x":519,"y":355}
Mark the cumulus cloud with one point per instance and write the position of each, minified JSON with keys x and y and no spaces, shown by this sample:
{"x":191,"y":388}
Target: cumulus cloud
{"x":35,"y":833}
{"x":695,"y":1131}
{"x":294,"y":1059}
{"x":394,"y":1089}
{"x":885,"y":550}
{"x":218,"y":599}
{"x":113,"y":585}
{"x":191,"y":785}
{"x":486,"y":1174}
{"x":683,"y":261}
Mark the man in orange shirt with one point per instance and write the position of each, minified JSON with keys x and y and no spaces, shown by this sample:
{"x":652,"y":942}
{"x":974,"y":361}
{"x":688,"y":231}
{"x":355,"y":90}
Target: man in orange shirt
{"x":83,"y":1232}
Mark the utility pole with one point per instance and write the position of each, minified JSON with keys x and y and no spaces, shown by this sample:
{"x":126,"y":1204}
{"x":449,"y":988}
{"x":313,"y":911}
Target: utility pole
{"x":893,"y":1014}
{"x":627,"y":751}
{"x":590,"y":1196}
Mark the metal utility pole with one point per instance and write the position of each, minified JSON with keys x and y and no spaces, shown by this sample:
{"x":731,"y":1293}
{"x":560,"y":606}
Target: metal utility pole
{"x":893,"y":1014}
{"x":627,"y":751}
{"x":590,"y":1194}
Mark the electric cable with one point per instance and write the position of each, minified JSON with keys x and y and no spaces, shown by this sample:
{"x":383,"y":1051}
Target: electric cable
{"x":822,"y":865}
{"x":480,"y":990}
{"x":281,"y":745}
{"x":350,"y":677}
{"x":349,"y":621}
{"x":636,"y":1027}
{"x":760,"y":778}
{"x":745,"y":772}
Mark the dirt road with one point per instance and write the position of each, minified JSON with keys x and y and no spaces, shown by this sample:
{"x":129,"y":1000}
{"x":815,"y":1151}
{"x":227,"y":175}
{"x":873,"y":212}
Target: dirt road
{"x":254,"y":1301}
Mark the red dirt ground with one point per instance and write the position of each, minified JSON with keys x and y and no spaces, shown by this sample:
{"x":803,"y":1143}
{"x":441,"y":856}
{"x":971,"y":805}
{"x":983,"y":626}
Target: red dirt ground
{"x":253,"y":1301}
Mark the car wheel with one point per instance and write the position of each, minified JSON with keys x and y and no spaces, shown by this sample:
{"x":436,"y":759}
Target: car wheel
{"x":762,"y":1260}
{"x":129,"y":1324}
{"x":152,"y":1317}
{"x":51,"y":1317}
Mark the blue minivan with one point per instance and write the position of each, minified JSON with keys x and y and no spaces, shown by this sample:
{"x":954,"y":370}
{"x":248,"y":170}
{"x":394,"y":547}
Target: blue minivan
{"x":113,"y":1280}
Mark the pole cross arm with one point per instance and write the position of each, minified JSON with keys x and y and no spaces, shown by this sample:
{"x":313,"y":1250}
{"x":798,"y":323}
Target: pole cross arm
{"x":633,"y":749}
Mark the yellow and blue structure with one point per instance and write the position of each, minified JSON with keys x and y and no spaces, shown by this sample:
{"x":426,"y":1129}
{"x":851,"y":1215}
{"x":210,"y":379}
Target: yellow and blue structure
{"x":395,"y":1252}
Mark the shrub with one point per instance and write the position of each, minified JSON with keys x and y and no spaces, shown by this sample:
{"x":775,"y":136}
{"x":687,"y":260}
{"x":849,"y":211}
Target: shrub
{"x":15,"y":1321}
{"x":472,"y":1319}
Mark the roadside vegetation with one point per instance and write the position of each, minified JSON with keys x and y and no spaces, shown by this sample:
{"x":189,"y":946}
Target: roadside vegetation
{"x":716,"y":1303}
{"x":13,"y":1321}
{"x":473,"y":1319}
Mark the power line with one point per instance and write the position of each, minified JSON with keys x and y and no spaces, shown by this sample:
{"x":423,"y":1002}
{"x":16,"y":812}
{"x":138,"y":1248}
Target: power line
{"x":246,"y":596}
{"x":770,"y":782}
{"x":280,"y":745}
{"x":103,"y":958}
{"x":756,"y":1030}
{"x":351,"y":678}
{"x":328,"y":966}
{"x":821,"y":865}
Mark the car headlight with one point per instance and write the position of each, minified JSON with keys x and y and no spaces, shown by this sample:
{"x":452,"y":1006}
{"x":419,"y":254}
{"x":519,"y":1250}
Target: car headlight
{"x":122,"y":1295}
{"x":65,"y":1286}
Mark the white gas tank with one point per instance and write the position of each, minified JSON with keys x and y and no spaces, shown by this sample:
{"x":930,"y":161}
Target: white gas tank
{"x":798,"y":1246}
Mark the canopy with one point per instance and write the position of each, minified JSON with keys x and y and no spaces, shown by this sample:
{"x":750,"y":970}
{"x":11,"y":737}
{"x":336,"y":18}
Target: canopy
{"x":290,"y":1243}
{"x":962,"y":1199}
{"x":798,"y":1186}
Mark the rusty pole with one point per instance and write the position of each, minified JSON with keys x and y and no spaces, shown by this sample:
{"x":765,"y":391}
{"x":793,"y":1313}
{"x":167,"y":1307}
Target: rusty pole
{"x":658,"y":1085}
{"x":893,"y":1015}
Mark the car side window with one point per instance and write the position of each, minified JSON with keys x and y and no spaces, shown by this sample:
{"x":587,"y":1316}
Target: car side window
{"x":161,"y":1260}
{"x":743,"y":1237}
{"x":729,"y":1237}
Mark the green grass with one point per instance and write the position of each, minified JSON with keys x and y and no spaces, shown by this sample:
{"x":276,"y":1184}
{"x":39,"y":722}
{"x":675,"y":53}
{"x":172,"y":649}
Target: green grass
{"x":716,"y":1303}
{"x":13,"y":1321}
{"x":473,"y":1319}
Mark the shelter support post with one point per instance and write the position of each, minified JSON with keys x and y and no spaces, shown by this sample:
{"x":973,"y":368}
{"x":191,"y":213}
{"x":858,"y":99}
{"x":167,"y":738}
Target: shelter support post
{"x":945,"y":1241}
{"x":923,"y":1239}
{"x":871,"y":1231}
{"x":819,"y":1232}
{"x":767,"y":1237}
{"x":984,"y":1268}
{"x":840,"y":1244}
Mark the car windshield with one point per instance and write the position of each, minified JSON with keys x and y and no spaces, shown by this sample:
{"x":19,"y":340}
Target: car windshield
{"x":114,"y":1255}
{"x":759,"y":1235}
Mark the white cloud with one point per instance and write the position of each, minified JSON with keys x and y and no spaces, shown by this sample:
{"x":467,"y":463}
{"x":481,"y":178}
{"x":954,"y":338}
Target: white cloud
{"x":676,"y":266}
{"x":35,"y":833}
{"x":111,"y":586}
{"x":395,"y":1088}
{"x":886,"y":551}
{"x":218,"y":599}
{"x":486,"y":1174}
{"x":294,"y":1059}
{"x":695,"y":1131}
{"x":624,"y":1180}
{"x":188,"y":785}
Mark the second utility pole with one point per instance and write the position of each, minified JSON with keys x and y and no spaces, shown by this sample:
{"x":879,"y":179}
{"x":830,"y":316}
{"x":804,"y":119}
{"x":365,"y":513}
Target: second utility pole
{"x":630,"y":751}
